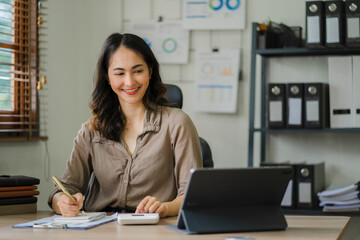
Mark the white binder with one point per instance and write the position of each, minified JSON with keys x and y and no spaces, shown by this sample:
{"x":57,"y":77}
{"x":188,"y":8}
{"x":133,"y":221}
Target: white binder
{"x":356,"y":91}
{"x":340,"y":87}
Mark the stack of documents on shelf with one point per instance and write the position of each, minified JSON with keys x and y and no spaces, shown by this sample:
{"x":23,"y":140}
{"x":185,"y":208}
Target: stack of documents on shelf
{"x":17,"y":194}
{"x":345,"y":199}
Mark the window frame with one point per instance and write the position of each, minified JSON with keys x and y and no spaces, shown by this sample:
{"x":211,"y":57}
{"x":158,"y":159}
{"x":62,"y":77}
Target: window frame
{"x":22,"y":123}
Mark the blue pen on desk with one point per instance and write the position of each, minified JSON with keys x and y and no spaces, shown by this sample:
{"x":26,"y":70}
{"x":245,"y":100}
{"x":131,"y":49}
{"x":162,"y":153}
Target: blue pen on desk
{"x":62,"y":187}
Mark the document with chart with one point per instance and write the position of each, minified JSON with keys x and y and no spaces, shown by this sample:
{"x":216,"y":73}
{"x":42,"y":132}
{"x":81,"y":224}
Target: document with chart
{"x":217,"y":76}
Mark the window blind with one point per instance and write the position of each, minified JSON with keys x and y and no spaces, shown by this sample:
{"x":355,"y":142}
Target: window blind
{"x":19,"y":70}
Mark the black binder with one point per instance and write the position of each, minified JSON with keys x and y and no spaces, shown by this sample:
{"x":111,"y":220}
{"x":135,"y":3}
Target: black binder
{"x":290,"y":197}
{"x":295,"y":105}
{"x":234,"y":200}
{"x":310,"y":181}
{"x":276,"y":105}
{"x":315,"y":24}
{"x":352,"y":15}
{"x":316,"y":105}
{"x":335,"y":23}
{"x":17,"y":180}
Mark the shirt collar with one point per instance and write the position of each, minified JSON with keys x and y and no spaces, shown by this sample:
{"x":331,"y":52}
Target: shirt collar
{"x":152,"y":120}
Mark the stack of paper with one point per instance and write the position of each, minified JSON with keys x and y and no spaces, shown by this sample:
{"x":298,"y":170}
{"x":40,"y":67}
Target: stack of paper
{"x":81,"y":218}
{"x":345,"y":199}
{"x":17,"y":194}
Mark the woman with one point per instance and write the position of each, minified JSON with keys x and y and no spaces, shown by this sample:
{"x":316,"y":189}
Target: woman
{"x":137,"y":149}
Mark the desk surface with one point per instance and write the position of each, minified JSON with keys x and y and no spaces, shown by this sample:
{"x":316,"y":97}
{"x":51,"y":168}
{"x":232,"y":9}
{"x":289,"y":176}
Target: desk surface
{"x":299,"y":227}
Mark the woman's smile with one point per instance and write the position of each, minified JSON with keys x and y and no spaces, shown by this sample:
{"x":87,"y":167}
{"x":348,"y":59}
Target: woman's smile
{"x":131,"y":91}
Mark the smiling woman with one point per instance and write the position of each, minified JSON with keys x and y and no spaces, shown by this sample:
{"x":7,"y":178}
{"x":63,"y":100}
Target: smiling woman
{"x":136,"y":151}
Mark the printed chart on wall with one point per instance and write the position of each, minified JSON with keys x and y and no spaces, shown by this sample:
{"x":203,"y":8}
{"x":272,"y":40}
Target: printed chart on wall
{"x":217,"y":80}
{"x":168,"y":40}
{"x":214,"y":14}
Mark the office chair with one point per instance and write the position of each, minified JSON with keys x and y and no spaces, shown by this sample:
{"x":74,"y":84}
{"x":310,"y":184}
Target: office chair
{"x":175,"y":98}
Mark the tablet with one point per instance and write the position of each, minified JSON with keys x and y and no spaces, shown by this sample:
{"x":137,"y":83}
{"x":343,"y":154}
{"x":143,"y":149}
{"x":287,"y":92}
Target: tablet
{"x":138,"y":218}
{"x":234,"y":200}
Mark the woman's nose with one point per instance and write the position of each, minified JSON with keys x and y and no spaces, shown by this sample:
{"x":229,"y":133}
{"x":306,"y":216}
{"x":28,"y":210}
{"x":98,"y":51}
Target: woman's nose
{"x":129,"y":80}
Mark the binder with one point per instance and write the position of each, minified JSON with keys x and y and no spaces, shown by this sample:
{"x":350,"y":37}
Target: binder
{"x":356,"y":91}
{"x":315,"y":24}
{"x":334,"y":22}
{"x":276,"y":105}
{"x":316,"y":105}
{"x":290,"y":197}
{"x":310,"y":181}
{"x":295,"y":105}
{"x":352,"y":15}
{"x":17,"y":180}
{"x":340,"y":80}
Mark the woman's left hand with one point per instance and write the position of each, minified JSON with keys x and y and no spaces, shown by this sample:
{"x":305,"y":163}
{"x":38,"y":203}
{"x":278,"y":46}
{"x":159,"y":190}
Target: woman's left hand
{"x":152,"y":205}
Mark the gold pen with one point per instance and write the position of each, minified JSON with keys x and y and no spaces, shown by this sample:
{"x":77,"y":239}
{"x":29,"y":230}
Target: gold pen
{"x":63,"y":188}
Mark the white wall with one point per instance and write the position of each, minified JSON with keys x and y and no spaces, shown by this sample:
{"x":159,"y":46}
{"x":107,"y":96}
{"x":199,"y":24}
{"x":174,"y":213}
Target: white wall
{"x":74,"y":31}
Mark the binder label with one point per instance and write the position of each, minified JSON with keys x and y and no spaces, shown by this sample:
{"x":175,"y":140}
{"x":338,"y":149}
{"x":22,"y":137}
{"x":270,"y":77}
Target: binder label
{"x":353,"y":27}
{"x":313,"y":25}
{"x":275,"y":111}
{"x":312,"y":111}
{"x":332,"y":30}
{"x":295,"y":111}
{"x":305,"y":192}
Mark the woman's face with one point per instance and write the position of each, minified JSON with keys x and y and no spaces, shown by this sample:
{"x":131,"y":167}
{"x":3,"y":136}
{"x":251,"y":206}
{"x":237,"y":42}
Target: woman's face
{"x":129,"y":76}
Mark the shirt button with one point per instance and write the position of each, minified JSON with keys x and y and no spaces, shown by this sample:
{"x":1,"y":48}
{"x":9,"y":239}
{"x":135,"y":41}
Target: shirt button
{"x":125,"y":181}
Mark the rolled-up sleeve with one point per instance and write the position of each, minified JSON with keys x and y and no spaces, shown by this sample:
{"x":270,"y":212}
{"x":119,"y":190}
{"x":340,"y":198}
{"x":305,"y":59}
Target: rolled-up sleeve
{"x":78,"y":167}
{"x":187,"y":152}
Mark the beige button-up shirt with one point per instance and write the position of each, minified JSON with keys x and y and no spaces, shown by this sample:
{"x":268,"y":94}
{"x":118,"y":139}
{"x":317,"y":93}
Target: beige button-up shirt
{"x":165,"y":152}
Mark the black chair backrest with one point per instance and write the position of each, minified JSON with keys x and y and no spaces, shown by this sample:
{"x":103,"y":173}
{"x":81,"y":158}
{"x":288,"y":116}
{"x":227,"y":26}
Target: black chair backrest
{"x":175,"y":97}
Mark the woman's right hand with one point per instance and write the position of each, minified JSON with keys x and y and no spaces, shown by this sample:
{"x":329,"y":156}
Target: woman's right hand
{"x":63,"y":205}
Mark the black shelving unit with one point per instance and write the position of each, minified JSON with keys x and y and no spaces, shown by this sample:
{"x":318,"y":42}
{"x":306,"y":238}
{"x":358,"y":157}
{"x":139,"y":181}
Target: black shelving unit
{"x":278,"y":52}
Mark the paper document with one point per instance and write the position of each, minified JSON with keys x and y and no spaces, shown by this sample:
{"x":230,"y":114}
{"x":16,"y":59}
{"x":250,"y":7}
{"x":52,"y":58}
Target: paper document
{"x":339,"y":191}
{"x":88,"y":217}
{"x":49,"y":223}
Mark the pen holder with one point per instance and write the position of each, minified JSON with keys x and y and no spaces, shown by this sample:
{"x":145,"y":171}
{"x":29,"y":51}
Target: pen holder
{"x":268,"y":39}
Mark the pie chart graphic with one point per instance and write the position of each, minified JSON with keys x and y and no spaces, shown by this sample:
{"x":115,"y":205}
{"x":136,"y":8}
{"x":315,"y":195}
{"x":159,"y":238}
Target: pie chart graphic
{"x":169,"y":45}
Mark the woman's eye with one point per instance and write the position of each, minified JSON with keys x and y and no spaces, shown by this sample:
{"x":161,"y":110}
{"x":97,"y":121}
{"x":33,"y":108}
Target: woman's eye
{"x":138,"y":71}
{"x":119,"y":74}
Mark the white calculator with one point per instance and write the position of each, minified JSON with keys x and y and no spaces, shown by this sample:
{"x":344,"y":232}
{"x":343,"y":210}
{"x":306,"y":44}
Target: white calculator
{"x":138,"y":218}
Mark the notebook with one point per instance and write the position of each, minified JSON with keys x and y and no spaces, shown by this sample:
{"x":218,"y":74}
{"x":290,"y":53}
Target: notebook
{"x":80,"y":218}
{"x":234,"y":200}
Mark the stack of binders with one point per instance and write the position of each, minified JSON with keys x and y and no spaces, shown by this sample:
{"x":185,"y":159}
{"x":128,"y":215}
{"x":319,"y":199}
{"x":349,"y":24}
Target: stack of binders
{"x":333,"y":24}
{"x":298,"y":105}
{"x":344,"y":199}
{"x":17,"y":194}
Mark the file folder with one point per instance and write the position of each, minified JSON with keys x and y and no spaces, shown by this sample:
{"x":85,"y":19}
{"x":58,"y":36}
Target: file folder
{"x":316,"y":105}
{"x":340,"y":80}
{"x":315,"y":24}
{"x":356,"y":91}
{"x":310,"y":181}
{"x":334,"y":22}
{"x":352,"y":15}
{"x":290,"y":197}
{"x":295,"y":105}
{"x":276,"y":105}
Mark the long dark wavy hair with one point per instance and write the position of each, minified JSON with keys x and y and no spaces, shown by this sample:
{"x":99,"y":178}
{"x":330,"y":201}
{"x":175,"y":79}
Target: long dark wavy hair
{"x":108,"y":117}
